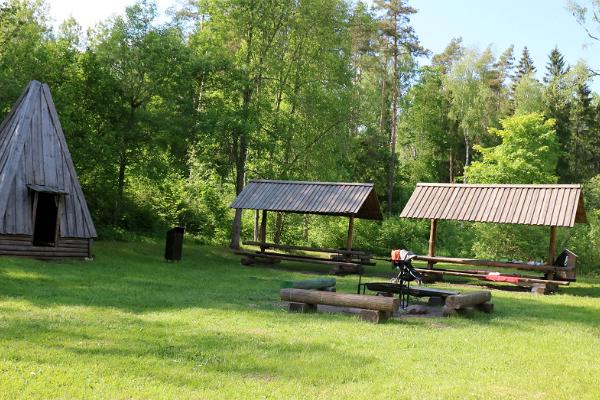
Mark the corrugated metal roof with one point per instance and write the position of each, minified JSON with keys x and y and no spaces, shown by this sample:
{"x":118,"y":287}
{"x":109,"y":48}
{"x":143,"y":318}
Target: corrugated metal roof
{"x":549,"y":205}
{"x":34,"y":155}
{"x":327,"y":198}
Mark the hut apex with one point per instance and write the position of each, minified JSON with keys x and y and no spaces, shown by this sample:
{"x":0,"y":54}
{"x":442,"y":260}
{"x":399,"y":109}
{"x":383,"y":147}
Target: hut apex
{"x":43,"y":212}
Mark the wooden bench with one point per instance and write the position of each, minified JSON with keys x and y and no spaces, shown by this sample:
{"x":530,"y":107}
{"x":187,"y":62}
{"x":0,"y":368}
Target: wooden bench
{"x":552,"y":275}
{"x":343,"y":261}
{"x":372,"y":308}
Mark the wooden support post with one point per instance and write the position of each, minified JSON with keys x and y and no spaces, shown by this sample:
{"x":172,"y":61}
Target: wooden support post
{"x":256,"y":226}
{"x":551,"y":251}
{"x":263,"y":231}
{"x":552,"y":247}
{"x":350,"y":229}
{"x":431,"y":250}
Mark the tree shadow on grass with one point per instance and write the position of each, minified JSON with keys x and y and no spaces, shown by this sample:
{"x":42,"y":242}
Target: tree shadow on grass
{"x":161,"y":351}
{"x":137,"y":280}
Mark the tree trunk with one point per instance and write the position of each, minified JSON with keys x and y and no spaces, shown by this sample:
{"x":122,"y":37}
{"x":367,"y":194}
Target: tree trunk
{"x":240,"y":168}
{"x":241,"y":150}
{"x":451,"y":168}
{"x":120,"y":189}
{"x":278,"y":228}
{"x":305,"y":228}
{"x":256,"y":226}
{"x":393,"y":134}
{"x":383,"y":102}
{"x":467,"y":155}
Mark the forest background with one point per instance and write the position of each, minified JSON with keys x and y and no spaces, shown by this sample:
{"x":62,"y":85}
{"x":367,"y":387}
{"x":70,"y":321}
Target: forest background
{"x":167,"y":119}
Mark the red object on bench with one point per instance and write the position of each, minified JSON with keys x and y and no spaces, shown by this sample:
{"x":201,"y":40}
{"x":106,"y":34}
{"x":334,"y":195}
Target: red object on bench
{"x":502,"y":278}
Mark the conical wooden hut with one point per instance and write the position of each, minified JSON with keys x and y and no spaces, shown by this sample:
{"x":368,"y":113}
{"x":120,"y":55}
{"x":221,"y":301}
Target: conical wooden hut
{"x":43,"y":212}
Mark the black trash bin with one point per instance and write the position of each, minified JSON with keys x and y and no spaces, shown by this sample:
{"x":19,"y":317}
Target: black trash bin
{"x":174,"y":244}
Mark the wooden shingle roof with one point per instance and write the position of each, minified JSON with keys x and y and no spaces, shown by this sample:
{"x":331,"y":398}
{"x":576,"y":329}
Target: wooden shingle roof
{"x":326,"y":198}
{"x":548,"y":205}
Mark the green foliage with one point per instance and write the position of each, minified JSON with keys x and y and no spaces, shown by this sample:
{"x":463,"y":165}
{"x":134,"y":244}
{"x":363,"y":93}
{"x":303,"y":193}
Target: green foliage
{"x":528,"y":96}
{"x":425,"y":141}
{"x":471,"y":97}
{"x":585,"y":238}
{"x":528,"y":153}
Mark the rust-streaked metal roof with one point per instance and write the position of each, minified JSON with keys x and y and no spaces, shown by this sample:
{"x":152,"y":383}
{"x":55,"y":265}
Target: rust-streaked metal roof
{"x":326,"y":198}
{"x":548,"y":205}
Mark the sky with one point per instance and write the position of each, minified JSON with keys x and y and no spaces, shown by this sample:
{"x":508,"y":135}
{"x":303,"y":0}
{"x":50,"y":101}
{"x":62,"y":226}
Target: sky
{"x":538,"y":24}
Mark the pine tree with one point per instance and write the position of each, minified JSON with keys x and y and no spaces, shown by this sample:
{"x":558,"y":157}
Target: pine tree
{"x":556,"y":66}
{"x":501,"y":74}
{"x":452,"y":53}
{"x":525,"y":66}
{"x":506,"y":62}
{"x":584,"y":146}
{"x":558,"y":106}
{"x":403,"y":42}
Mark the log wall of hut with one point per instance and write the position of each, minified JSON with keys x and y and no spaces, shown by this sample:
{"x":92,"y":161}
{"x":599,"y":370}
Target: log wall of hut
{"x":65,"y":248}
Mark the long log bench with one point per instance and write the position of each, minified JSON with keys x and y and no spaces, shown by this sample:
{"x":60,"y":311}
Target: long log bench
{"x":553,"y":275}
{"x":372,"y":308}
{"x":343,"y":261}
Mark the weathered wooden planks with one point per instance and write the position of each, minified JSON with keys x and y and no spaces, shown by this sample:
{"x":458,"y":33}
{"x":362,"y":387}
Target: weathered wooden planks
{"x":33,"y":152}
{"x":22,"y":246}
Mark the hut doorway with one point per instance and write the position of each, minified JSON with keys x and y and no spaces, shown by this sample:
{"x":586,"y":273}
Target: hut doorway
{"x":45,"y":219}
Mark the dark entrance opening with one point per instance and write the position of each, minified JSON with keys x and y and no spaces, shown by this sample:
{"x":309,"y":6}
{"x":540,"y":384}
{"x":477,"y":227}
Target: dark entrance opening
{"x":45,"y":219}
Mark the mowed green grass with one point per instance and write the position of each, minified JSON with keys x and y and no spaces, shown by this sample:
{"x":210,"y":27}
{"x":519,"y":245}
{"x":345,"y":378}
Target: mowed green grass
{"x":131,"y":326}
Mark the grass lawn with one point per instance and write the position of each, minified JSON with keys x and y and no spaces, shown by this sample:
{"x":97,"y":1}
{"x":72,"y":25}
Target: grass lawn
{"x":131,"y":326}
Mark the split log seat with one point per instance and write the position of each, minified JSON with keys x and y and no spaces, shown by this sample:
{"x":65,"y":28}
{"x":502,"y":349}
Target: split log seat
{"x":373,"y":308}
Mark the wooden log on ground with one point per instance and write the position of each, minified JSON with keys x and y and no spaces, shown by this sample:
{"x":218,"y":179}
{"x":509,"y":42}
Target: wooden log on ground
{"x":374,"y":316}
{"x":340,"y":299}
{"x":301,"y":307}
{"x":466,"y":311}
{"x":317,"y":283}
{"x":468,"y":299}
{"x":257,"y":259}
{"x":485,"y":307}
